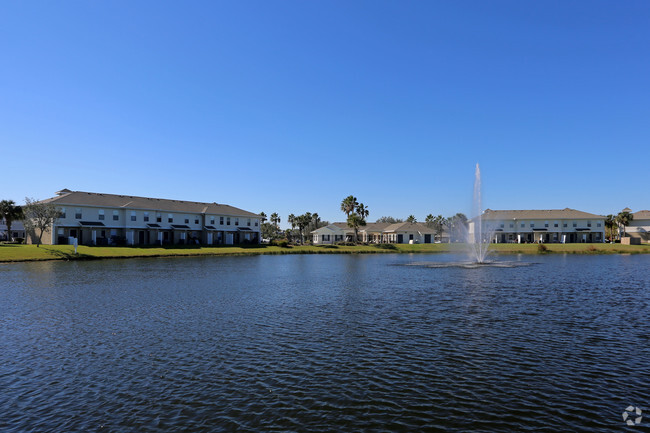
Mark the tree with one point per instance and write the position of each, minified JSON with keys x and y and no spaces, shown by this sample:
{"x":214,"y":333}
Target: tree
{"x":624,"y":219}
{"x":439,"y":223}
{"x":354,"y":221}
{"x":349,"y":204}
{"x":303,"y":221}
{"x":457,"y":225}
{"x":262,"y":217}
{"x":358,"y":218}
{"x":275,"y":219}
{"x":429,"y":220}
{"x":610,"y":224}
{"x":10,"y":213}
{"x":411,"y":219}
{"x":38,"y":217}
{"x":291,"y":219}
{"x":389,"y":220}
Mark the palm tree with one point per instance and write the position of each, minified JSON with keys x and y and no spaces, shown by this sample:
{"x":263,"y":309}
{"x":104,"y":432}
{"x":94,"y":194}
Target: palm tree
{"x":262,"y":217}
{"x":10,"y":213}
{"x":411,"y":219}
{"x":291,"y":219}
{"x":354,"y":221}
{"x":430,"y":220}
{"x":303,"y":221}
{"x":610,"y":223}
{"x":275,"y":219}
{"x":438,"y":224}
{"x":624,"y":219}
{"x":349,"y":204}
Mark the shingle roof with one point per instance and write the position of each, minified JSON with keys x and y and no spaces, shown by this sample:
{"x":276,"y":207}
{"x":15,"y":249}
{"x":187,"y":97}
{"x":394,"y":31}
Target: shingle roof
{"x":81,"y":198}
{"x":641,"y":215}
{"x":567,"y":213}
{"x":408,"y":227}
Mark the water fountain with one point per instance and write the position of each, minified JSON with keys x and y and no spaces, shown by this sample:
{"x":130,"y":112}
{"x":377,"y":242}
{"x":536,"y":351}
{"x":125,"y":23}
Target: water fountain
{"x":477,"y":240}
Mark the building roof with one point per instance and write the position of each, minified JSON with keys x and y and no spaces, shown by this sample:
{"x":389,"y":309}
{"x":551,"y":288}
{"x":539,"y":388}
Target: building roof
{"x":641,"y":215}
{"x":81,"y":198}
{"x":409,"y":227}
{"x":548,"y":214}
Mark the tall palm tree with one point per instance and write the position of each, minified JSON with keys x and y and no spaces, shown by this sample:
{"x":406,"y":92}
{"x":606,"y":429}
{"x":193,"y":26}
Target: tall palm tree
{"x":354,"y":221}
{"x":349,"y":204}
{"x":10,"y":213}
{"x":439,"y":223}
{"x":363,"y":211}
{"x":275,"y":219}
{"x":624,"y":219}
{"x":262,"y":217}
{"x":610,"y":223}
{"x":291,"y":219}
{"x":430,"y":220}
{"x":411,"y":219}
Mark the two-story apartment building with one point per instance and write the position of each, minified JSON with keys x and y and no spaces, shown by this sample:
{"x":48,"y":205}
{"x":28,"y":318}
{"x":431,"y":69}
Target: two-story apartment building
{"x":111,"y":219}
{"x":554,"y":225}
{"x":639,"y":227}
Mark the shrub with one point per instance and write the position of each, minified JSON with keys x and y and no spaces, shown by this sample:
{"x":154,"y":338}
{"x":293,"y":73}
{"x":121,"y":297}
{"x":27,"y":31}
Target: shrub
{"x":541,"y":248}
{"x":385,"y":246}
{"x":326,"y":246}
{"x":592,"y":249}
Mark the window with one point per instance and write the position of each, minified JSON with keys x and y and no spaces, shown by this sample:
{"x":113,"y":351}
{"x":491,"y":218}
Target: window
{"x":597,"y":224}
{"x":145,"y":218}
{"x":133,"y":216}
{"x":187,"y":220}
{"x":555,"y":224}
{"x":512,"y":225}
{"x":77,"y":213}
{"x":62,"y":212}
{"x":523,"y":225}
{"x":575,"y":224}
{"x":564,"y":225}
{"x":228,"y":221}
{"x":502,"y":225}
{"x":101,"y":214}
{"x":170,"y":217}
{"x":249,"y":222}
{"x":256,"y":223}
{"x":236,"y":221}
{"x":116,"y":215}
{"x":221,"y":220}
{"x":212,"y":220}
{"x":196,"y":219}
{"x":532,"y":225}
{"x":545,"y":223}
{"x":326,"y":237}
{"x":158,"y":217}
{"x":410,"y":237}
{"x":588,"y":223}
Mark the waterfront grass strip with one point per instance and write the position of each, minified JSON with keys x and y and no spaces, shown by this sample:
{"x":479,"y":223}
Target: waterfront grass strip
{"x":19,"y":253}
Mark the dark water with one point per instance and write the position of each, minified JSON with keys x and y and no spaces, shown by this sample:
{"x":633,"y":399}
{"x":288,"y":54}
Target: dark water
{"x":324,"y":343}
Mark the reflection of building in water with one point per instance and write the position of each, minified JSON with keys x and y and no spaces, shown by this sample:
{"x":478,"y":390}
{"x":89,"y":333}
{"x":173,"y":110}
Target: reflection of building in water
{"x":17,"y":231}
{"x":110,"y":219}
{"x":554,"y":225}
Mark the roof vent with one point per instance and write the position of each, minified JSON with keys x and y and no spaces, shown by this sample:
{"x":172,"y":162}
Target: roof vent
{"x":64,"y":191}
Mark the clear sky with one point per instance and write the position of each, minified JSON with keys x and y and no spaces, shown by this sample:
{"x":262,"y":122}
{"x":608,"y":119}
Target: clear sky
{"x":290,"y":106}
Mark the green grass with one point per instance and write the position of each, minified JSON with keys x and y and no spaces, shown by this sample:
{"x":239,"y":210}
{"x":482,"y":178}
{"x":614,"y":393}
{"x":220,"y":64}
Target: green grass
{"x":18,"y":253}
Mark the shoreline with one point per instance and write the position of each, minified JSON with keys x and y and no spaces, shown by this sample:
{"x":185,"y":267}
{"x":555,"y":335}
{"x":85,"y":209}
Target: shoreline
{"x":13,"y":253}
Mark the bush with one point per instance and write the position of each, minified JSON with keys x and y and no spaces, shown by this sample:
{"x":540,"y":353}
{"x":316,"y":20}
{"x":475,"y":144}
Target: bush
{"x":541,"y":248}
{"x":346,"y":244}
{"x":385,"y":246}
{"x":282,"y":243}
{"x":327,"y":246}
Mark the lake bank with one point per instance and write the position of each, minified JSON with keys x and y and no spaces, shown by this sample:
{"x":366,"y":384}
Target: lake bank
{"x":23,"y":253}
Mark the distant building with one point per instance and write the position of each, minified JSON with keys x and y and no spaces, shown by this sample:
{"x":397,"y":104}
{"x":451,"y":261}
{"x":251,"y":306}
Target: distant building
{"x":398,"y":233}
{"x":639,"y":226}
{"x":17,"y":230}
{"x":554,"y":225}
{"x":111,"y":219}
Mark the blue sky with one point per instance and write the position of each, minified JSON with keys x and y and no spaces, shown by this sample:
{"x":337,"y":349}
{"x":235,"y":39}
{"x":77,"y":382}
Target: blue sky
{"x":290,"y":106}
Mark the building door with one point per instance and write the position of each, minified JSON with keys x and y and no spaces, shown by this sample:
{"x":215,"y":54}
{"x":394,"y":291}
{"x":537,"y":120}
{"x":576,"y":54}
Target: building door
{"x":427,"y":239}
{"x":400,"y":239}
{"x":141,"y":237}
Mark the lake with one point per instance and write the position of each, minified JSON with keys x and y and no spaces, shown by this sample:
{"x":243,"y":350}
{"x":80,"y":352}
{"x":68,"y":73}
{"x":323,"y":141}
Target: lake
{"x":325,"y":343}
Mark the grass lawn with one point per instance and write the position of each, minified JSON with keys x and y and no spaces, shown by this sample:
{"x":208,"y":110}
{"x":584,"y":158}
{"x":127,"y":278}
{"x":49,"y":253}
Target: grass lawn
{"x":18,"y":253}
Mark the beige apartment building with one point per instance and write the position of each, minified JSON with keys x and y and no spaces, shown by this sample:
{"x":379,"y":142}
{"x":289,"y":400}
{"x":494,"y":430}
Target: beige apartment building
{"x":112,"y":219}
{"x":546,"y":226}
